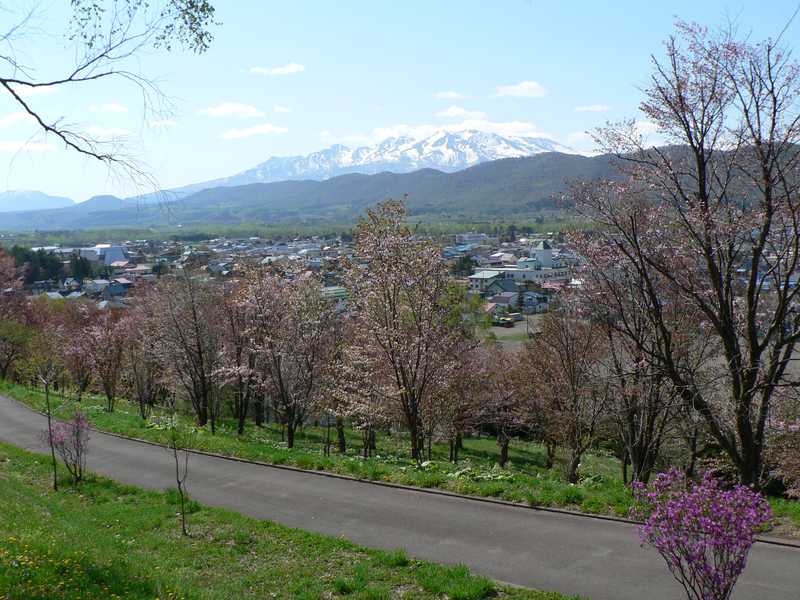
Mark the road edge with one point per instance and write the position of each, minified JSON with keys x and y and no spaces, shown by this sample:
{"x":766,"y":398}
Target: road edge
{"x":768,"y":540}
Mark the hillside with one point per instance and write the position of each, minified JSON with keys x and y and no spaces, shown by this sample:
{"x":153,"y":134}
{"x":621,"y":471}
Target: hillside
{"x":513,"y":187}
{"x":16,"y":200}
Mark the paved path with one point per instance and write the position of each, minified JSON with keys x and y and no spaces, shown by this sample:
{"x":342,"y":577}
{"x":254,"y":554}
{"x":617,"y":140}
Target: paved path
{"x":600,"y":560}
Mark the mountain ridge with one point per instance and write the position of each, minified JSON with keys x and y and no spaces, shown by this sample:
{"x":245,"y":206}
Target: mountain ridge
{"x":501,"y":189}
{"x":15,"y":200}
{"x":442,"y":150}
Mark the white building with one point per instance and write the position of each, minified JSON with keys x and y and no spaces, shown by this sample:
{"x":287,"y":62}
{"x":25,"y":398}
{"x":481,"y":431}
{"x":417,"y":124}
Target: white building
{"x":521,"y":274}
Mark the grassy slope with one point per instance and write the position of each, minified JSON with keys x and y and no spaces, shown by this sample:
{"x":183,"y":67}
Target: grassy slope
{"x":105,"y":540}
{"x":526,"y":480}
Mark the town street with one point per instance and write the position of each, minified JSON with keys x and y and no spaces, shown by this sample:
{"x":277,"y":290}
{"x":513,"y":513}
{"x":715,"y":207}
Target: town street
{"x":598,"y":559}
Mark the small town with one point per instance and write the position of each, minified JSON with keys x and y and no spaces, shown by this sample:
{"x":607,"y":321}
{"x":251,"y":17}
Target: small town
{"x":517,"y":277}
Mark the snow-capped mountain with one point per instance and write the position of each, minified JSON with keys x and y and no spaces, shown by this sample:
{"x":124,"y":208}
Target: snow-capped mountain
{"x":442,"y":150}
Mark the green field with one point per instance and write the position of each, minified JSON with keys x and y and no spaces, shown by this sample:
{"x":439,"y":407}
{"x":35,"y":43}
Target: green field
{"x":106,"y":541}
{"x":526,"y":480}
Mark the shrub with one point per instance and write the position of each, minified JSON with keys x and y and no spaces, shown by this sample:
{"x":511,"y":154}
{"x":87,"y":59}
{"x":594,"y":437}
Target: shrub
{"x":703,"y":531}
{"x":70,"y":440}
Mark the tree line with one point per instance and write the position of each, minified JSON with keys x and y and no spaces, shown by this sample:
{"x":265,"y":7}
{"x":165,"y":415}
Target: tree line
{"x":407,"y":353}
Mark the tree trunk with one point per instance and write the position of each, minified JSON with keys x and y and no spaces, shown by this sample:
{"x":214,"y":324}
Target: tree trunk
{"x":202,"y":415}
{"x":574,"y":465}
{"x":50,"y":435}
{"x":690,"y":466}
{"x":212,"y":411}
{"x":258,"y":410}
{"x":242,"y":418}
{"x":340,"y":438}
{"x":328,"y":436}
{"x":290,"y":428}
{"x":416,"y":453}
{"x":625,"y":462}
{"x":365,"y":442}
{"x":551,"y":454}
{"x":503,"y":440}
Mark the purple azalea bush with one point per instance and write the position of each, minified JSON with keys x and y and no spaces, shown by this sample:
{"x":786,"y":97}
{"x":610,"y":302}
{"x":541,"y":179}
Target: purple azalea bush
{"x":70,"y":440}
{"x":703,"y":530}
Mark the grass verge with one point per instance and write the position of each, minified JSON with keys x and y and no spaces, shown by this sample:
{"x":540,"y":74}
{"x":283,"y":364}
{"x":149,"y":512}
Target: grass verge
{"x":105,"y":540}
{"x":526,"y":480}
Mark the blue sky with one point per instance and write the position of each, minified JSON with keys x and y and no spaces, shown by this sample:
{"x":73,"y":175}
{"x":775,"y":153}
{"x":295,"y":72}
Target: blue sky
{"x":292,"y":77}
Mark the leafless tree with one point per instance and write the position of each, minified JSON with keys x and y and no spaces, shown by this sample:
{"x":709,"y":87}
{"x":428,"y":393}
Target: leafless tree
{"x":711,"y":224}
{"x":184,"y":316}
{"x":107,"y":37}
{"x":571,"y":387}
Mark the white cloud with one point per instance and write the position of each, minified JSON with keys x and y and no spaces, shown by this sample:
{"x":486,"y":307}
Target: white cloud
{"x":13,"y":118}
{"x":457,"y":112}
{"x":231,"y":109}
{"x":523,"y":89}
{"x":10,"y":146}
{"x":448,"y":95}
{"x":264,"y":129}
{"x":508,"y":128}
{"x":287,"y":69}
{"x":106,"y":133}
{"x":325,"y":134}
{"x":278,"y":108}
{"x":109,"y":107}
{"x":594,"y":108}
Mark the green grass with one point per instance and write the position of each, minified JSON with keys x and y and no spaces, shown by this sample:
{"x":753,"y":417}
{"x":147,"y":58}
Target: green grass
{"x":104,"y":540}
{"x":787,"y":510}
{"x":526,"y":480}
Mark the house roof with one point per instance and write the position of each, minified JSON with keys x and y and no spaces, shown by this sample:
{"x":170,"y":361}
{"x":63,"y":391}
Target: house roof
{"x":485,"y":275}
{"x":503,"y":298}
{"x":506,"y":285}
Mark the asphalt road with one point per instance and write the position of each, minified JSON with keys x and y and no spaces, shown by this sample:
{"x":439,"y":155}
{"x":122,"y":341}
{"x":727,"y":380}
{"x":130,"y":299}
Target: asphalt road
{"x":600,"y":560}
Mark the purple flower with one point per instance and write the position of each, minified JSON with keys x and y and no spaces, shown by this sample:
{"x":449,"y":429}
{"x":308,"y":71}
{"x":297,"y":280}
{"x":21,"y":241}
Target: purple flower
{"x":703,"y":531}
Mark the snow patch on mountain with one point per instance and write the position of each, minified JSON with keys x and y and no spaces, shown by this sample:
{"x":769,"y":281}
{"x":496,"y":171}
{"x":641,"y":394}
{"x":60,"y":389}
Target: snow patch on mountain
{"x":443,"y":150}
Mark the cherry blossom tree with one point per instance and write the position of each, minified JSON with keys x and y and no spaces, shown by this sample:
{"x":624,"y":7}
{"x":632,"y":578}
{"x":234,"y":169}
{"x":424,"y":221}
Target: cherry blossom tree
{"x":75,"y":346}
{"x":398,"y":288}
{"x":15,"y":338}
{"x":143,"y":373}
{"x":238,"y":361}
{"x":709,"y":225}
{"x":459,"y":401}
{"x":293,"y":332}
{"x":643,"y":406}
{"x":503,"y":403}
{"x":183,"y":316}
{"x":571,"y":386}
{"x":362,"y":396}
{"x":70,"y":439}
{"x":105,"y":346}
{"x":10,"y":281}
